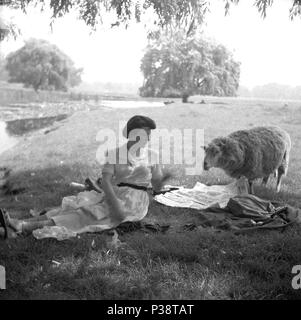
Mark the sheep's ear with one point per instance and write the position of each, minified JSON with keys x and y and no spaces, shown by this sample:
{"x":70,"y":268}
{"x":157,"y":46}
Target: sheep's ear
{"x":221,"y":142}
{"x":204,"y":147}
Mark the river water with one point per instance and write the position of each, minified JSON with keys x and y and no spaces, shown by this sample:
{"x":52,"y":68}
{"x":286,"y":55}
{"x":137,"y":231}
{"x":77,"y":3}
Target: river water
{"x":131,"y":104}
{"x":38,"y":110}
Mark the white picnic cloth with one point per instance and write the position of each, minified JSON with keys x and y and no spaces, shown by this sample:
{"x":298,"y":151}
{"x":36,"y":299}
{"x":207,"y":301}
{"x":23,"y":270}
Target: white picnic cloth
{"x":202,"y":196}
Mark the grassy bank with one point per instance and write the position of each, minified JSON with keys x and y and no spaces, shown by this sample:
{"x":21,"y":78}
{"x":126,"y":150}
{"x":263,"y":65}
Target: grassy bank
{"x":179,"y":264}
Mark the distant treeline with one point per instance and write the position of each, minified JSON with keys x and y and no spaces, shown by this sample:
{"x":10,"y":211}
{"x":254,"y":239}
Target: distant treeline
{"x":8,"y":95}
{"x":271,"y":91}
{"x":14,"y":93}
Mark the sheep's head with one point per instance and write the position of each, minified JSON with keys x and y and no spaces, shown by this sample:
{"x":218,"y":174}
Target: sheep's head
{"x":220,"y":153}
{"x":212,"y":154}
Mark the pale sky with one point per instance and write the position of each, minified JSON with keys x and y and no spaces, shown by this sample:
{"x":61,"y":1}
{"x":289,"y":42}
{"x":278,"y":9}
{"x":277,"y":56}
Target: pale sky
{"x":269,"y":50}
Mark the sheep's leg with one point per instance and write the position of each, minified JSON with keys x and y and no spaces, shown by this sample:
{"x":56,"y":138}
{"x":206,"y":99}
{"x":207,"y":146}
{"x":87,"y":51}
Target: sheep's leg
{"x":281,"y":171}
{"x":265,"y":180}
{"x":285,"y":162}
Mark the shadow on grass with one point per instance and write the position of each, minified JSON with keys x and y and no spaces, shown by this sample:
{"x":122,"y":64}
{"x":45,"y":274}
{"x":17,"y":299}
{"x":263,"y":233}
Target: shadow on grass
{"x":43,"y":187}
{"x":256,"y":266}
{"x":285,"y":196}
{"x":33,"y":266}
{"x":199,"y":264}
{"x":190,"y":265}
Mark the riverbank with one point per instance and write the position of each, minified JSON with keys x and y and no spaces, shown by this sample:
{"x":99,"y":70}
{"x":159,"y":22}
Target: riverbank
{"x":18,"y":121}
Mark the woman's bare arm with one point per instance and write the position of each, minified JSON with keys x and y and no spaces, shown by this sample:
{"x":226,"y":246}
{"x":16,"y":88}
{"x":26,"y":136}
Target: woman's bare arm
{"x":117,"y":211}
{"x":160,"y":177}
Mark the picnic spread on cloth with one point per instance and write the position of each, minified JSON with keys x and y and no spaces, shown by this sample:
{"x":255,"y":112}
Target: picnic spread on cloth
{"x":231,"y":207}
{"x":223,"y":207}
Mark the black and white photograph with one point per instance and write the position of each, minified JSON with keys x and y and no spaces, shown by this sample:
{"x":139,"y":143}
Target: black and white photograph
{"x":150,"y":151}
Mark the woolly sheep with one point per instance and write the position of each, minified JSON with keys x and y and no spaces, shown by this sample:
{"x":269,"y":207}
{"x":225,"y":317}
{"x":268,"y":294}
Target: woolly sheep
{"x":254,"y":153}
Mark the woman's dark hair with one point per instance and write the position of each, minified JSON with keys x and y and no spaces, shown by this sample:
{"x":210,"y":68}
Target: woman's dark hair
{"x":138,"y":122}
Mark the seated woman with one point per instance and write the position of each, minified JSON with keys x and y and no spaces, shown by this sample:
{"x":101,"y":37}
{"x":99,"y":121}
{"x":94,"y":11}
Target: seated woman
{"x":124,"y":183}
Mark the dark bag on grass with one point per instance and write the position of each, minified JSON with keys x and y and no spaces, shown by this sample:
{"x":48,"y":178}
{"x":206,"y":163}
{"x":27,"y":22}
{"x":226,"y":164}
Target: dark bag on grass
{"x":263,"y":212}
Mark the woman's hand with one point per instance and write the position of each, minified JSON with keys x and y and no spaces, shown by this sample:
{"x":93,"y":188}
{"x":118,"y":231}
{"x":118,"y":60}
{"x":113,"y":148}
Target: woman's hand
{"x":117,"y":213}
{"x":167,"y":175}
{"x":160,"y":177}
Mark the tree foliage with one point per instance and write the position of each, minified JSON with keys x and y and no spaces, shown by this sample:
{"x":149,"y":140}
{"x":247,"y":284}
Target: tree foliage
{"x":188,"y":13}
{"x":8,"y":29}
{"x":92,"y":11}
{"x":182,"y":66}
{"x":42,"y":65}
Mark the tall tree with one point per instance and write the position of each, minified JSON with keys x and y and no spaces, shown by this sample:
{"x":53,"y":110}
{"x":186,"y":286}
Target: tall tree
{"x":42,"y":65}
{"x":181,"y":66}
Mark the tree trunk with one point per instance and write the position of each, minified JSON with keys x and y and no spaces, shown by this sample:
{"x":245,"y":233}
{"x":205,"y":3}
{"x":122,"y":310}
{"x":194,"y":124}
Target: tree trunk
{"x":185,"y":97}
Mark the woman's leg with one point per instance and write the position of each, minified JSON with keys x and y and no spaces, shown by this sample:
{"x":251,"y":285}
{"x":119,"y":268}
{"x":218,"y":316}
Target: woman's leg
{"x":35,"y":219}
{"x":28,"y":225}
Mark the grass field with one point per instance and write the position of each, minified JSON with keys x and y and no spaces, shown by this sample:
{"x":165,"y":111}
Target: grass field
{"x":179,"y":264}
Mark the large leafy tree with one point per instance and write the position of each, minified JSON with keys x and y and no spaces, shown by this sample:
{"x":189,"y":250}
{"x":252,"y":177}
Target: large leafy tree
{"x":181,"y":66}
{"x":42,"y":65}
